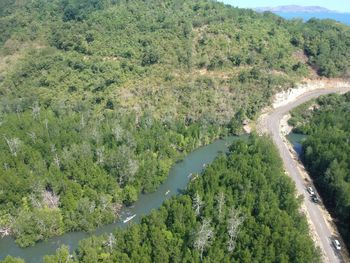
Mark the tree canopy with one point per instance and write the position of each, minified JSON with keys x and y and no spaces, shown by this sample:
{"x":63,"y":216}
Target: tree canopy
{"x":99,"y":98}
{"x":241,"y":209}
{"x":326,"y":153}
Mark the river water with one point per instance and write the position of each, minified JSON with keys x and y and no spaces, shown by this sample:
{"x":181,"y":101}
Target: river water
{"x":296,"y":139}
{"x":177,"y":181}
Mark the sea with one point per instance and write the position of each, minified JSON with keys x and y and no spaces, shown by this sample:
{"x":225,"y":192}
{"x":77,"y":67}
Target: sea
{"x":340,"y":17}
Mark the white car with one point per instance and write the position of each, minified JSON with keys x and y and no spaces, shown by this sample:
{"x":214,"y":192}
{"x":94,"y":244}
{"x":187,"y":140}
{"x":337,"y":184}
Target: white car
{"x":336,"y":244}
{"x":310,"y":190}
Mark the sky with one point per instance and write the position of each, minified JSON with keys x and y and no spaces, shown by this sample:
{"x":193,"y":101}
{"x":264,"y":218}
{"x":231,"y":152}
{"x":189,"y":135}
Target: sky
{"x":338,"y":5}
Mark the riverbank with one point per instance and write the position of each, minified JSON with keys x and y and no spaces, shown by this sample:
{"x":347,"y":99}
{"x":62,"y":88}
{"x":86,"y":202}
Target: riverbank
{"x":175,"y":183}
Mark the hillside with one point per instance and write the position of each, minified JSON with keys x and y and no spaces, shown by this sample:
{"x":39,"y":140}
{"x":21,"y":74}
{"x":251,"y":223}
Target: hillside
{"x":100,"y":98}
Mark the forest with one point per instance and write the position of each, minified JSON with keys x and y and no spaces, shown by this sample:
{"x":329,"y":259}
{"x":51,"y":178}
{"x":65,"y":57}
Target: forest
{"x":241,"y":209}
{"x":98,"y":99}
{"x":326,"y":152}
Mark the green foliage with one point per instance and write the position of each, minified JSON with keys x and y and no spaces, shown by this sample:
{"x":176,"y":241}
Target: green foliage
{"x":327,"y":45}
{"x":235,"y":125}
{"x":300,"y":115}
{"x":93,"y":164}
{"x":100,"y":98}
{"x":39,"y":224}
{"x":62,"y":255}
{"x":252,"y":182}
{"x":326,"y":154}
{"x":79,"y":10}
{"x":10,"y":259}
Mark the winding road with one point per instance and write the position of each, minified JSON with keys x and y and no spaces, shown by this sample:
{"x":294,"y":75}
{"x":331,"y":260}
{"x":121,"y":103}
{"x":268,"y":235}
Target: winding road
{"x":270,"y":123}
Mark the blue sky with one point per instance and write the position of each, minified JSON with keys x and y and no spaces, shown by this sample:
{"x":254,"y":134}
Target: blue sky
{"x":339,"y":5}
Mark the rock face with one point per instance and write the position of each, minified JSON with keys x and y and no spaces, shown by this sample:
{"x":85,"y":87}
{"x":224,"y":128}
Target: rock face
{"x":294,"y":9}
{"x":287,"y":96}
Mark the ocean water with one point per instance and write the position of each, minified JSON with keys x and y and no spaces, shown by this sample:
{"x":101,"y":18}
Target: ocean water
{"x":340,"y":17}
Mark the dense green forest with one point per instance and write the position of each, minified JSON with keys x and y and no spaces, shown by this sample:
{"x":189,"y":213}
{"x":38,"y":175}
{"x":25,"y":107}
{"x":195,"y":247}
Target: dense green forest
{"x":99,"y":98}
{"x":241,"y":209}
{"x":326,"y":152}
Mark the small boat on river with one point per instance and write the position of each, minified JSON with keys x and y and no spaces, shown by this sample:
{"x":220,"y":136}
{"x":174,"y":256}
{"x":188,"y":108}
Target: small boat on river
{"x":129,"y":218}
{"x":167,"y":192}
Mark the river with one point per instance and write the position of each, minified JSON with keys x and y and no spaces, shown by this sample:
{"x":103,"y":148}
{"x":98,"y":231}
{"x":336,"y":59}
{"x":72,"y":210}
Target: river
{"x":296,"y":139}
{"x":176,"y":182}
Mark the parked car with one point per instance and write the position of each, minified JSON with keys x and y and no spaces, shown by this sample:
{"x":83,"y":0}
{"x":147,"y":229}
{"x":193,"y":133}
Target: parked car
{"x":315,"y":199}
{"x":310,"y":190}
{"x":336,"y":244}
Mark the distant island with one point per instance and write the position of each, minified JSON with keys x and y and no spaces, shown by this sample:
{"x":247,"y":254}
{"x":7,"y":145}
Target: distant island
{"x":295,"y":9}
{"x":307,"y":12}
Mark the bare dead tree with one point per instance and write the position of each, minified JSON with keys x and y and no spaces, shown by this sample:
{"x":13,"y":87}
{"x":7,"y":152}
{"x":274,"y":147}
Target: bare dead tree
{"x":50,"y":199}
{"x":128,"y":169}
{"x":233,"y":224}
{"x":197,"y":204}
{"x":148,"y":119}
{"x":104,"y":202}
{"x":63,"y":255}
{"x":133,"y":166}
{"x":100,"y":155}
{"x":100,"y":119}
{"x":34,"y":201}
{"x":203,"y":237}
{"x":46,"y":123}
{"x":6,"y":224}
{"x":95,"y":135}
{"x":40,"y":223}
{"x":66,"y":154}
{"x":57,"y":161}
{"x":129,"y":140}
{"x":111,"y":241}
{"x":13,"y":145}
{"x":82,"y":121}
{"x":32,"y":136}
{"x":36,"y":111}
{"x":92,"y":207}
{"x":5,"y":231}
{"x":117,"y":133}
{"x":220,"y":203}
{"x":167,"y":118}
{"x":19,"y":109}
{"x":116,"y":207}
{"x":85,"y":149}
{"x":53,"y":148}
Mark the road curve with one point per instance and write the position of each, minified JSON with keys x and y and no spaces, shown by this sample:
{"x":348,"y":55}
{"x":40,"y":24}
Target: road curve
{"x":271,"y":124}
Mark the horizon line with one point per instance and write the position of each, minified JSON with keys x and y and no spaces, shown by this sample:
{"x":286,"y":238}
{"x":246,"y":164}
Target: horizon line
{"x":261,"y":7}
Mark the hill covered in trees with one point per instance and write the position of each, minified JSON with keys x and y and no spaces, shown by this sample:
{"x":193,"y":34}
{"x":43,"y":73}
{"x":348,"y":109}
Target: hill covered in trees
{"x":100,"y":98}
{"x":326,"y":153}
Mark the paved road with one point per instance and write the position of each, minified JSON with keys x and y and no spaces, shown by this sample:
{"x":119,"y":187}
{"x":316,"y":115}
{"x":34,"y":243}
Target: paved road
{"x":272,"y":123}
